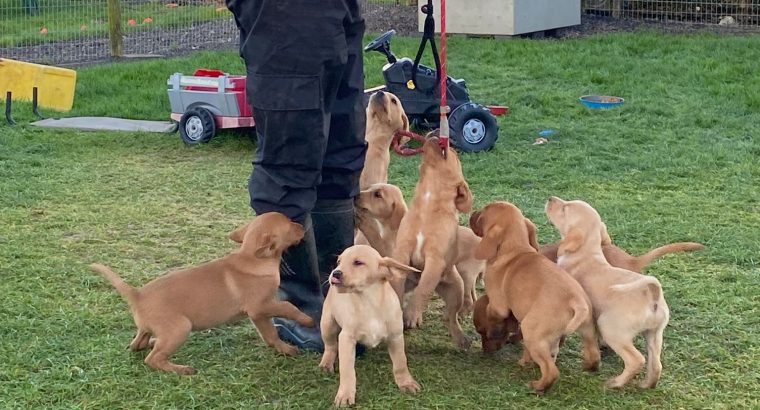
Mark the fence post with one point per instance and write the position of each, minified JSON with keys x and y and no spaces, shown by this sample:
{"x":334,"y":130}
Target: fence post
{"x":114,"y":28}
{"x":617,"y":8}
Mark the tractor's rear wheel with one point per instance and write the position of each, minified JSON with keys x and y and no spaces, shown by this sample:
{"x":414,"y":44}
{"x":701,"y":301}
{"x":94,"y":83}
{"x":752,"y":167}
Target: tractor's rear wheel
{"x":473,"y":128}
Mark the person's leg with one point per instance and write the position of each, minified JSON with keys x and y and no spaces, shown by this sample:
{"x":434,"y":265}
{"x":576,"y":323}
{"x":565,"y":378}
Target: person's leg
{"x":333,"y":212}
{"x":295,"y":54}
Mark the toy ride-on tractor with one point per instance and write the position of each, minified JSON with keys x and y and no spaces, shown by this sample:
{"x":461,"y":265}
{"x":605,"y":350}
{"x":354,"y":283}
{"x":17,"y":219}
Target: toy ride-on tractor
{"x":472,"y":126}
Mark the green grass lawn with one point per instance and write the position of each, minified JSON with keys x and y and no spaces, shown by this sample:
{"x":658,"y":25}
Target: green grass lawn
{"x":678,"y":162}
{"x":67,"y":19}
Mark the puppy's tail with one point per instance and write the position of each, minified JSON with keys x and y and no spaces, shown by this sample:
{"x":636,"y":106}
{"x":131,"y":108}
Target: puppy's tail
{"x":127,"y":292}
{"x":581,"y":312}
{"x":647,"y":258}
{"x":645,"y":282}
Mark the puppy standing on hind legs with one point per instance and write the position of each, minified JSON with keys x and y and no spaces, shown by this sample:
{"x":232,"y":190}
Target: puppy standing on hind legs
{"x":243,"y":283}
{"x":361,"y":306}
{"x":385,"y":116}
{"x":427,"y":238}
{"x":625,"y":303}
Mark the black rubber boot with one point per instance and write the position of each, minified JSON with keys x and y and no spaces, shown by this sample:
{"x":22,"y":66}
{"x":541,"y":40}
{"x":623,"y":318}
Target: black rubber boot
{"x":334,"y":228}
{"x":306,"y":267}
{"x":299,"y":285}
{"x":333,"y":221}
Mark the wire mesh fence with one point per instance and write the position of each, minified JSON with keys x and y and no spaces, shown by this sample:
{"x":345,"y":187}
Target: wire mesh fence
{"x":72,"y":31}
{"x":69,"y":32}
{"x":720,"y":12}
{"x":76,"y":31}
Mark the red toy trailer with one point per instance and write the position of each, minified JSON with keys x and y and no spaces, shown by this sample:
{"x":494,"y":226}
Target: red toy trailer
{"x":206,"y":101}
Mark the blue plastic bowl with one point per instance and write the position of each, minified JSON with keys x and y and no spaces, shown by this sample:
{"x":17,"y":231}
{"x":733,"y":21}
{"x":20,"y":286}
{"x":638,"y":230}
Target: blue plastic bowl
{"x":601,"y":101}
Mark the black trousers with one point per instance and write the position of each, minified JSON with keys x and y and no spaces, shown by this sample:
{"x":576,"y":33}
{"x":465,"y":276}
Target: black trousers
{"x":305,"y":83}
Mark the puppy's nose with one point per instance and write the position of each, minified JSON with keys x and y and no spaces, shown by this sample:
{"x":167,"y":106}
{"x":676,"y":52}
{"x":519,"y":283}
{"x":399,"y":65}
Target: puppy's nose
{"x":380,"y":93}
{"x":337,"y":274}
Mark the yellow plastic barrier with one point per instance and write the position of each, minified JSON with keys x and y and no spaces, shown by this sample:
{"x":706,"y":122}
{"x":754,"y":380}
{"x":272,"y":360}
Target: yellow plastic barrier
{"x":55,"y":85}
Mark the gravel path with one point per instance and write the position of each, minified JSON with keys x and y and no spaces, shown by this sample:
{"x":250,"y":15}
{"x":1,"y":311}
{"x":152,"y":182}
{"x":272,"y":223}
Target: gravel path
{"x":222,"y":34}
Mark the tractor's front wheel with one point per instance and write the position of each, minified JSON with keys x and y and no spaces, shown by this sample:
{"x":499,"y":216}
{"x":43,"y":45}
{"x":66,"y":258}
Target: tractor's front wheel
{"x":197,"y":126}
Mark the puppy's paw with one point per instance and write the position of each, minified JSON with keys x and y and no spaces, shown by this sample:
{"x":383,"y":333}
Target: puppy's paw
{"x":537,"y":387}
{"x":591,"y":366}
{"x":463,"y":342}
{"x":307,"y":321}
{"x":185,"y":370}
{"x":525,"y":362}
{"x":614,"y":383}
{"x":413,"y":320}
{"x":345,"y":397}
{"x":648,"y":384}
{"x":409,"y":386}
{"x":327,"y":366}
{"x":286,"y":349}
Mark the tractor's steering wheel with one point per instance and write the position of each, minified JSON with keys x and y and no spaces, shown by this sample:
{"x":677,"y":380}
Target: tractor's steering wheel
{"x":381,"y":42}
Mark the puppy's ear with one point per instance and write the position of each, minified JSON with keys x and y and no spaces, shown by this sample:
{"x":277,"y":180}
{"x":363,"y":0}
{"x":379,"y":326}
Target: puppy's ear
{"x":550,"y":251}
{"x":606,"y":240}
{"x":404,"y":120}
{"x":571,"y":242}
{"x":464,"y":199}
{"x":238,"y":234}
{"x":532,"y":237}
{"x":297,"y":230}
{"x":392,"y":263}
{"x":488,"y":246}
{"x":479,"y":311}
{"x":395,"y":269}
{"x":475,"y":224}
{"x":266,"y":246}
{"x":397,"y":214}
{"x":496,"y":328}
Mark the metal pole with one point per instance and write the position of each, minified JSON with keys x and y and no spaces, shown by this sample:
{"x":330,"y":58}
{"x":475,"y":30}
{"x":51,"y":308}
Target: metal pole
{"x":8,"y":116}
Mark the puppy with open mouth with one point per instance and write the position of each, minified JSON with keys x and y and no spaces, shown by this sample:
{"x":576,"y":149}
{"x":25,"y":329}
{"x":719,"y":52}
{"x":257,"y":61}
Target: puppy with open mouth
{"x":242,"y":283}
{"x":427,"y":239}
{"x":385,"y":116}
{"x":362,"y":307}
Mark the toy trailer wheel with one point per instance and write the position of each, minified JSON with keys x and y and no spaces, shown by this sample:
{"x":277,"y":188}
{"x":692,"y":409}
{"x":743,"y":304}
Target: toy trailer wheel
{"x":473,"y":128}
{"x":197,"y":126}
